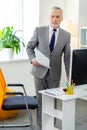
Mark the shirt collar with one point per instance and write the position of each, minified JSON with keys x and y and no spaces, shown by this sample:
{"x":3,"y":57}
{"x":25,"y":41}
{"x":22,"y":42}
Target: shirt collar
{"x":51,"y":29}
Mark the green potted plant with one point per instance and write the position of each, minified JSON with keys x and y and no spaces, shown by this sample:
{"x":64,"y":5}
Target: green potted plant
{"x":9,"y":39}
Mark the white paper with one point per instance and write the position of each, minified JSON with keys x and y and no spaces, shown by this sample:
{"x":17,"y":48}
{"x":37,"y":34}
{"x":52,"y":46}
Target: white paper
{"x":42,"y":59}
{"x":54,"y":92}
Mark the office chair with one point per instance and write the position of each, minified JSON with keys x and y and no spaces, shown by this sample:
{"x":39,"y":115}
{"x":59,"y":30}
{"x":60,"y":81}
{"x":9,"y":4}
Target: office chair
{"x":15,"y":101}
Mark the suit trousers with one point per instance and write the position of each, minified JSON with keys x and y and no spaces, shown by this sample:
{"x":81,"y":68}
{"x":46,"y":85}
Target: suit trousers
{"x":41,"y":84}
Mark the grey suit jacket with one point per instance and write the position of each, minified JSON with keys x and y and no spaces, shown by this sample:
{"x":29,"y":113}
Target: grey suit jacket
{"x":40,"y":39}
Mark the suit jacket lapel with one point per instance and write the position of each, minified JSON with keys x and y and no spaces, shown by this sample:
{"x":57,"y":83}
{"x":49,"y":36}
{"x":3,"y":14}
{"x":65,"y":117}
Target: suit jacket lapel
{"x":47,"y":40}
{"x":59,"y":39}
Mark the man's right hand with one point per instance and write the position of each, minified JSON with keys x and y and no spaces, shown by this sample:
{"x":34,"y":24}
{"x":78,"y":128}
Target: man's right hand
{"x":35,"y":62}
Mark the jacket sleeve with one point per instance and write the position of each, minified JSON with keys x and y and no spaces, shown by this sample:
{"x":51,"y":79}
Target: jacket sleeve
{"x":32,"y":45}
{"x":67,"y":53}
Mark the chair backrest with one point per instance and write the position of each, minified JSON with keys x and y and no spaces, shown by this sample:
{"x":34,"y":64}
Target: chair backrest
{"x":3,"y":84}
{"x":1,"y":95}
{"x":3,"y":88}
{"x":2,"y":79}
{"x":4,"y":115}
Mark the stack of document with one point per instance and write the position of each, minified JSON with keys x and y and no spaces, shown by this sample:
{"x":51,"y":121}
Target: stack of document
{"x":42,"y":59}
{"x":54,"y":91}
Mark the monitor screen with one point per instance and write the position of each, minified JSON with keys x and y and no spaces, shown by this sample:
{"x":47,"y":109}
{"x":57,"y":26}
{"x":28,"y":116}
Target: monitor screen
{"x":78,"y":67}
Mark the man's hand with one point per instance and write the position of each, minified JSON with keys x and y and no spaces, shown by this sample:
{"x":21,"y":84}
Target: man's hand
{"x":35,"y":62}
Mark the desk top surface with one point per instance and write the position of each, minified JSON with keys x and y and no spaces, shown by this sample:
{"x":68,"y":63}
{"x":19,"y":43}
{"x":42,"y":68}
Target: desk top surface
{"x":78,"y":93}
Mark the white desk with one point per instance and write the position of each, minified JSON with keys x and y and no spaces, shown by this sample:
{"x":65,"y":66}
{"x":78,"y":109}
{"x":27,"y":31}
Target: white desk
{"x":67,"y":115}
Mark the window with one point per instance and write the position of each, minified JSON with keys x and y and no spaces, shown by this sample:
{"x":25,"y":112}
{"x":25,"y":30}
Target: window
{"x":23,"y":15}
{"x":30,"y":17}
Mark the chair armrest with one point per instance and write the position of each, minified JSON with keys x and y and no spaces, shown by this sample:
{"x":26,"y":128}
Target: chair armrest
{"x":14,"y":93}
{"x":17,"y":84}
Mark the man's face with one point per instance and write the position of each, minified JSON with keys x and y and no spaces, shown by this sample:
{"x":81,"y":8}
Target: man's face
{"x":55,"y":18}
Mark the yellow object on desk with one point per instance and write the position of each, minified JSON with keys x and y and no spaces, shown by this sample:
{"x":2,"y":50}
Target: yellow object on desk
{"x":70,"y":90}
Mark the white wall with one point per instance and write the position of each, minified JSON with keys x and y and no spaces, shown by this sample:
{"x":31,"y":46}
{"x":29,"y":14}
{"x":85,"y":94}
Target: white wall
{"x":19,"y":72}
{"x":83,"y":13}
{"x":45,"y":6}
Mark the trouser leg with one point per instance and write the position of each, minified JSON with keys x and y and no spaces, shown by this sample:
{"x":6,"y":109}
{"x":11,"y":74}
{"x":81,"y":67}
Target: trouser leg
{"x":40,"y":84}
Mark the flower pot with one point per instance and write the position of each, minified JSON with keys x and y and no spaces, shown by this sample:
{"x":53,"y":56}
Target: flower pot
{"x":6,"y":54}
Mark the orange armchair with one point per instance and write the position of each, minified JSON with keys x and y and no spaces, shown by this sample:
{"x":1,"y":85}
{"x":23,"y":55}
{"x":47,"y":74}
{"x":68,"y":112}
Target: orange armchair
{"x":11,"y":102}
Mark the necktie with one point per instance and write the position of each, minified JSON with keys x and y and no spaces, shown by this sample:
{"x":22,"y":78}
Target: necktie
{"x":52,"y":40}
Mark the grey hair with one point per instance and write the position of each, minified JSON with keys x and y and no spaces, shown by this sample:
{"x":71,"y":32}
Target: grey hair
{"x":57,"y":8}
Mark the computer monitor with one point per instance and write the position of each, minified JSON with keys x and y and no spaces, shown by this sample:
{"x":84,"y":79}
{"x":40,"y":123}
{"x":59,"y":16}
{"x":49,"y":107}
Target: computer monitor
{"x":78,"y":66}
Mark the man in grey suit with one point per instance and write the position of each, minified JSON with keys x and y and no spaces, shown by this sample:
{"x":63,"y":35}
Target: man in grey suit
{"x":44,"y":77}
